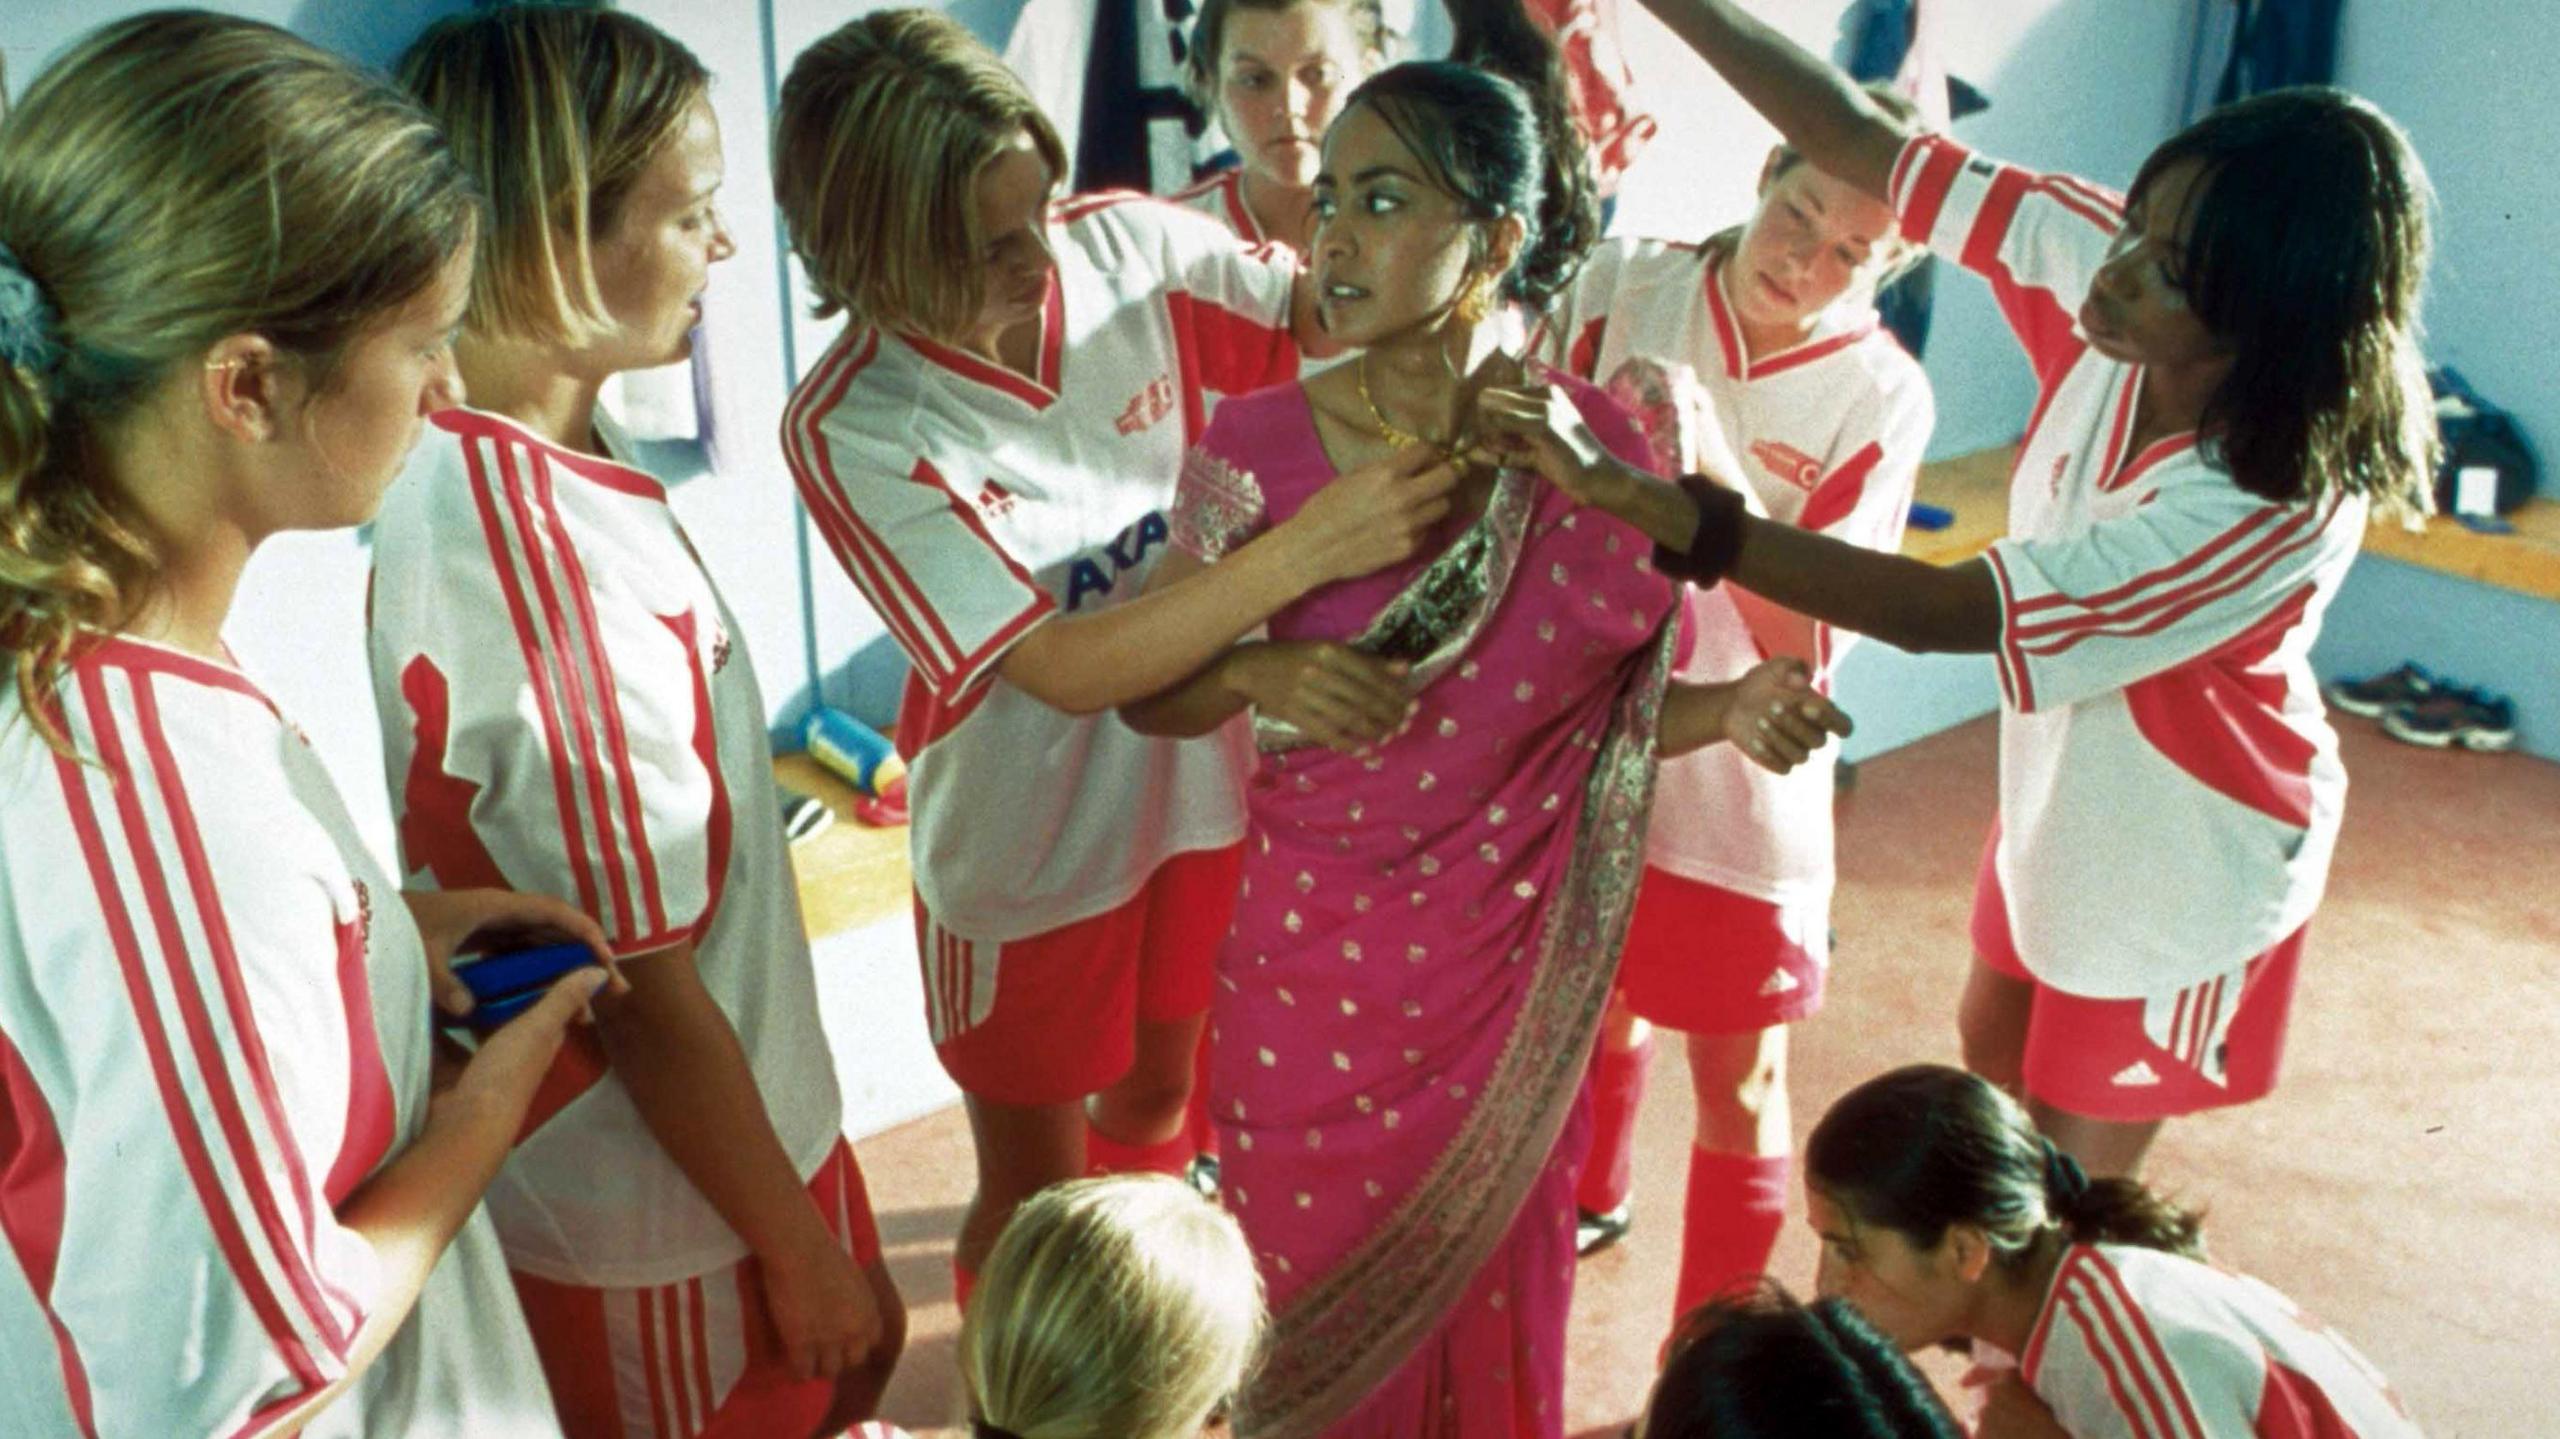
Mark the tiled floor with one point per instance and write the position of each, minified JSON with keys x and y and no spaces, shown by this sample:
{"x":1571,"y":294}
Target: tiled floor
{"x":2400,"y":1183}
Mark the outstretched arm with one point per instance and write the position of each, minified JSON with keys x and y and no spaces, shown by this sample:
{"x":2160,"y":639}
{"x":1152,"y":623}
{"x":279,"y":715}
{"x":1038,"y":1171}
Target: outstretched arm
{"x":1819,"y":110}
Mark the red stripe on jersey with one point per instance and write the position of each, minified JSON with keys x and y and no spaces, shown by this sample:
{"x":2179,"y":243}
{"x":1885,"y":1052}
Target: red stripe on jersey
{"x":2105,"y":1275}
{"x":2202,"y":554}
{"x":1900,"y":174}
{"x":966,"y":672}
{"x":2160,"y":609}
{"x":573,"y":685}
{"x":130,"y":654}
{"x":2098,"y":197}
{"x":1728,"y":335}
{"x":574,"y":1070}
{"x":706,"y":751}
{"x":1230,"y":353}
{"x":435,"y":805}
{"x":609,"y":696}
{"x":894,"y":594}
{"x":372,"y":1117}
{"x":538,"y":677}
{"x":2036,"y":315}
{"x":2110,"y":468}
{"x":2220,"y":718}
{"x":1836,"y":498}
{"x":228,"y":1234}
{"x":1584,"y":358}
{"x":196,"y":1014}
{"x":1039,"y":391}
{"x":1179,"y":309}
{"x":2138,"y":1416}
{"x":923,"y":718}
{"x":2154,"y":454}
{"x":2294,"y":1406}
{"x":596,"y":469}
{"x":31,"y":1203}
{"x":1939,"y":162}
{"x":1806,"y":354}
{"x":2077,"y":199}
{"x":2012,"y":665}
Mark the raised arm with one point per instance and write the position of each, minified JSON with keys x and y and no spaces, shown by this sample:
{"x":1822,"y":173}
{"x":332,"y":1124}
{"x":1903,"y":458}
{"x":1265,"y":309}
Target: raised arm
{"x":1368,"y":519}
{"x":1819,"y":110}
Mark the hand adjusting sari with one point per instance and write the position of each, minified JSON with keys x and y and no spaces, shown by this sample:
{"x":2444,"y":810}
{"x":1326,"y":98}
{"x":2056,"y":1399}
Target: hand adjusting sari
{"x":1425,"y":940}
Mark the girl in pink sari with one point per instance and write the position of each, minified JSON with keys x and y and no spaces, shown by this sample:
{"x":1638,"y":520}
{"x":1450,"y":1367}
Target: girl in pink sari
{"x":1447,"y":821}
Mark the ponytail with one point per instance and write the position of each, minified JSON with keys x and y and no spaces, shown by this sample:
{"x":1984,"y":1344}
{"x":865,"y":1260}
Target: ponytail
{"x":1921,"y":1149}
{"x":1499,"y":36}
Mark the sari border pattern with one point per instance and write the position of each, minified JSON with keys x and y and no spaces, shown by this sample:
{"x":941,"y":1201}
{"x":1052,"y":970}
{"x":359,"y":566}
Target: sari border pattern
{"x":1349,"y":1333}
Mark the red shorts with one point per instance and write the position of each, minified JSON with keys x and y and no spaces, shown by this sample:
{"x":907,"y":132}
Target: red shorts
{"x":698,"y":1357}
{"x":1054,"y":1017}
{"x":2133,"y":1060}
{"x":1703,"y":959}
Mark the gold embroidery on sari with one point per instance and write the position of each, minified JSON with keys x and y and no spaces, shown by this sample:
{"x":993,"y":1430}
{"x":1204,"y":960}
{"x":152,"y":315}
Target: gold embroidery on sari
{"x":1349,"y":1333}
{"x":1437,"y":617}
{"x":1216,"y":506}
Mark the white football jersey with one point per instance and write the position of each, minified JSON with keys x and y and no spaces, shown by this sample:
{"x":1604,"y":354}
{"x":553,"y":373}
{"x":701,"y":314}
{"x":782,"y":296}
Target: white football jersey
{"x":1828,"y":434}
{"x":213,"y":1029}
{"x":970,"y":503}
{"x":565,"y":710}
{"x":2133,"y":1343}
{"x":2170,"y":789}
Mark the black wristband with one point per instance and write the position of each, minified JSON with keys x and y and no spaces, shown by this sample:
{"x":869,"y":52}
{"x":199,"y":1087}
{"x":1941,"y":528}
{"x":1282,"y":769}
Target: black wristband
{"x":1718,"y":541}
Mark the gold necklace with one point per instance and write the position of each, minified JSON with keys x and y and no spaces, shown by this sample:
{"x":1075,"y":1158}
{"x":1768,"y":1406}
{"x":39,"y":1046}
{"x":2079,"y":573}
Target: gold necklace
{"x":1393,"y":436}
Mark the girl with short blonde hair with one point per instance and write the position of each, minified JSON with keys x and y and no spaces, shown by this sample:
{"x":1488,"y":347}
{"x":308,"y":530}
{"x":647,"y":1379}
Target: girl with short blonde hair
{"x":1119,"y":1308}
{"x":566,"y":710}
{"x":230,"y":264}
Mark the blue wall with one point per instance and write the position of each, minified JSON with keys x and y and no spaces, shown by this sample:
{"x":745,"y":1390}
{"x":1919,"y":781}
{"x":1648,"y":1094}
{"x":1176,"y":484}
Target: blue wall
{"x":2471,"y":79}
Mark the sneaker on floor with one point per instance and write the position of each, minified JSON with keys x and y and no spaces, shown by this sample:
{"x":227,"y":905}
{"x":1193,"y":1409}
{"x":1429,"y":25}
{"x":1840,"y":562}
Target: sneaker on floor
{"x":2378,"y":695}
{"x":2473,"y":719}
{"x":1595,"y":1232}
{"x":804,"y":816}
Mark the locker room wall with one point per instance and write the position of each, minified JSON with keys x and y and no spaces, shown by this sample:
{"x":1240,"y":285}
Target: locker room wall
{"x":2472,"y":82}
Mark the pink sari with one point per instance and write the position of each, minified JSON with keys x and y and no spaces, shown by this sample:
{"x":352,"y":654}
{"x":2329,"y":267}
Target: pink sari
{"x":1424,"y":943}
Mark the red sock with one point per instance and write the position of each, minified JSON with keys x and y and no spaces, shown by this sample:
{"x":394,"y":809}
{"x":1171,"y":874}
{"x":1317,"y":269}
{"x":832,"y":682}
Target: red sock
{"x":963,"y":1279}
{"x":1617,"y":1087}
{"x":1736,"y":1204}
{"x":1196,"y":1121}
{"x":1106,"y":1155}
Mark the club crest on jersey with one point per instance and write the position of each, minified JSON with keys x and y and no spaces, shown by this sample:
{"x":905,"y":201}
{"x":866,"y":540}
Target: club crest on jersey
{"x":994,"y":500}
{"x":720,"y":647}
{"x":1147,"y":406}
{"x":1788,"y":463}
{"x":1095,"y":574}
{"x":2053,"y":484}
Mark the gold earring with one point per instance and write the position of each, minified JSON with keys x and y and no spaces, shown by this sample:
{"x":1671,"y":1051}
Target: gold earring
{"x":1476,"y":301}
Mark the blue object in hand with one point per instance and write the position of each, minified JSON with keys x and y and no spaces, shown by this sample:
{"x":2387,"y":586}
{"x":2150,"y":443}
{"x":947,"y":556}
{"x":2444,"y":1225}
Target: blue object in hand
{"x":505,"y":985}
{"x":1931,"y":517}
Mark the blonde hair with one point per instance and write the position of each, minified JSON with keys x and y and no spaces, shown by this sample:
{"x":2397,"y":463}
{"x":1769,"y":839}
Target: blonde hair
{"x":175,"y":178}
{"x":556,"y":111}
{"x":883,"y":130}
{"x":1119,"y":1308}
